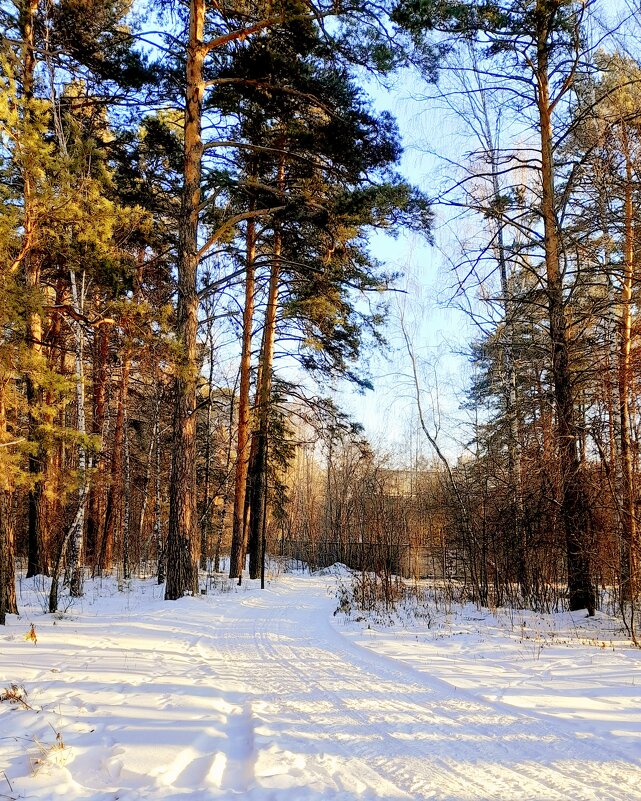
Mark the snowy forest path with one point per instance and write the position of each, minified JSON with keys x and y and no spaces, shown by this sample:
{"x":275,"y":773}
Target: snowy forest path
{"x":403,"y":734}
{"x":265,"y":696}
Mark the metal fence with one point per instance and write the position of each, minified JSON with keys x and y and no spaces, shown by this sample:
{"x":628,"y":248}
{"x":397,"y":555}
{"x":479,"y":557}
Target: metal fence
{"x":403,"y":559}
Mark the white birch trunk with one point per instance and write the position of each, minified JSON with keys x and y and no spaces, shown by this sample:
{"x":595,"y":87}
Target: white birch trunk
{"x":76,"y":533}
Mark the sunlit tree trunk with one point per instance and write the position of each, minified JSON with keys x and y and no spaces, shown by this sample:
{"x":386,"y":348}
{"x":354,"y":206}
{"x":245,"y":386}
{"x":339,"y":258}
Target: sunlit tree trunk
{"x":8,"y":602}
{"x":182,"y":539}
{"x":629,"y":538}
{"x":259,"y":482}
{"x":126,"y":506}
{"x":35,"y":524}
{"x":96,"y":491}
{"x":244,"y":413}
{"x":160,"y":550}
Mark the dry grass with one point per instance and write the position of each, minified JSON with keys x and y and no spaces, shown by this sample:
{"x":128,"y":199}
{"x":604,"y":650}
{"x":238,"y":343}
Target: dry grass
{"x":48,"y":753}
{"x":15,"y":694}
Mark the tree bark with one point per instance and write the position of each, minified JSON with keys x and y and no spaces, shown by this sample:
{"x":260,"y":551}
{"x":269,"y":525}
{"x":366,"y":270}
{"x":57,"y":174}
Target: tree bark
{"x":126,"y":506}
{"x":225,"y":487}
{"x":206,"y":517}
{"x":182,"y":539}
{"x":236,"y":560}
{"x":259,"y":479}
{"x":257,"y":506}
{"x":146,"y":485}
{"x":160,"y":551}
{"x":575,"y":510}
{"x":35,"y":554}
{"x":8,"y":602}
{"x":113,"y":507}
{"x":629,"y":535}
{"x":96,"y":492}
{"x":76,"y":538}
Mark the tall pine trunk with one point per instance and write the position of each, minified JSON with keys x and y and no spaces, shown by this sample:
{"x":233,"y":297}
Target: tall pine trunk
{"x":8,"y":602}
{"x":99,"y":396}
{"x":575,"y":510}
{"x":255,"y":514}
{"x":206,"y":517}
{"x":629,"y":554}
{"x":236,"y":560}
{"x":258,"y":495}
{"x":160,"y":550}
{"x":35,"y":545}
{"x":182,"y":538}
{"x":126,"y":504}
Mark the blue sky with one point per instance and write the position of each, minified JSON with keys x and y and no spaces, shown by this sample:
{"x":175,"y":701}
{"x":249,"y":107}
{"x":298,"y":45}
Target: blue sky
{"x":438,"y":331}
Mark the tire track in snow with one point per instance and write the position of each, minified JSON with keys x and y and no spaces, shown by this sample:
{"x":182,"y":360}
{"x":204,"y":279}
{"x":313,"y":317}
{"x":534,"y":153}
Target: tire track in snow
{"x":408,"y":774}
{"x":613,"y":779}
{"x":421,"y":775}
{"x":292,"y":655}
{"x":237,"y":642}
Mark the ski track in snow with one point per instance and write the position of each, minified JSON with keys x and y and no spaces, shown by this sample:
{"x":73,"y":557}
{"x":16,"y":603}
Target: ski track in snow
{"x":260,"y":696}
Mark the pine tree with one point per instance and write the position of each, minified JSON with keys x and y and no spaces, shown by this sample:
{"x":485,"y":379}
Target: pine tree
{"x":313,"y":145}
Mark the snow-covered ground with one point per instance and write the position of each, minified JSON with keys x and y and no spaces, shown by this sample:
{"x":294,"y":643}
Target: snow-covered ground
{"x":269,"y":695}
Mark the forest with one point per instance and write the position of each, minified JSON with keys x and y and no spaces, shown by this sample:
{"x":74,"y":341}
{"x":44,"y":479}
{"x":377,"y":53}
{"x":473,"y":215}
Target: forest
{"x":190,"y":190}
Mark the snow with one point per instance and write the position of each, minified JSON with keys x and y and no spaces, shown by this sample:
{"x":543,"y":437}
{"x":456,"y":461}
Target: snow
{"x":268,"y":695}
